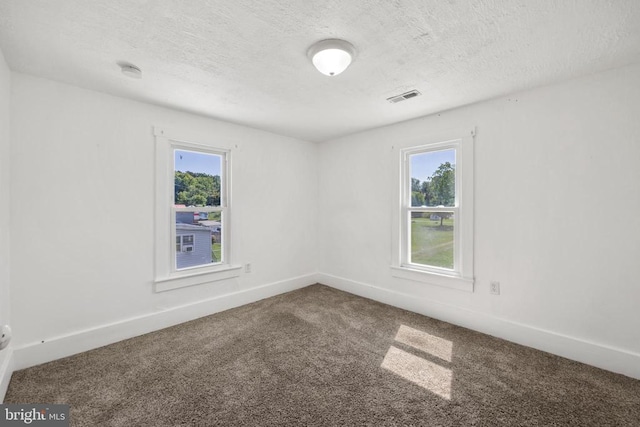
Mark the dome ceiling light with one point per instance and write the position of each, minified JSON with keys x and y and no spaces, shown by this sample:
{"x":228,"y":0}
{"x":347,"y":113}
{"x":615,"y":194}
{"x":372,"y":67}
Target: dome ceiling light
{"x":332,"y":56}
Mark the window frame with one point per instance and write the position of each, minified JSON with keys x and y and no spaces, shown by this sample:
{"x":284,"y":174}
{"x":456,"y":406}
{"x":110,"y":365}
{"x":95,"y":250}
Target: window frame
{"x":167,"y":275}
{"x":461,"y":276}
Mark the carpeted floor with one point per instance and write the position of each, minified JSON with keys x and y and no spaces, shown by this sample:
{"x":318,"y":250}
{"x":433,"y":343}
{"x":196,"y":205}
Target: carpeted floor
{"x":321,"y":357}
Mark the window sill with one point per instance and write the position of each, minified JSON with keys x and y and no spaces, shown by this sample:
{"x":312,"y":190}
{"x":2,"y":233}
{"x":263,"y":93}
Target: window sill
{"x":191,"y":279}
{"x":431,"y":278}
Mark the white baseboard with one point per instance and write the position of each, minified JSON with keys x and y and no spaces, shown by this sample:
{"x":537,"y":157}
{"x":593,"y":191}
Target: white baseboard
{"x":6,"y":369}
{"x":601,"y":356}
{"x":56,"y":348}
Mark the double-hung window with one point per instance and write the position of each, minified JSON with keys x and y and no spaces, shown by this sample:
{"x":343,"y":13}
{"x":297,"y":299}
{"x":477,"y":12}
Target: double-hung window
{"x":199,"y":208}
{"x":192,"y":212}
{"x":435,"y":215}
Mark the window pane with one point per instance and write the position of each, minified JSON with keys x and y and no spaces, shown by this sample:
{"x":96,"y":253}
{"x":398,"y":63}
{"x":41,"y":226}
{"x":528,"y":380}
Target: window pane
{"x":433,"y":178}
{"x":432,"y":238}
{"x":196,"y":178}
{"x":201,"y":241}
{"x":214,"y":223}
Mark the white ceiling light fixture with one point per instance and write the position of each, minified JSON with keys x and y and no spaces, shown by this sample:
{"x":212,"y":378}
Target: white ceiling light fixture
{"x":130,"y":70}
{"x":331,"y":56}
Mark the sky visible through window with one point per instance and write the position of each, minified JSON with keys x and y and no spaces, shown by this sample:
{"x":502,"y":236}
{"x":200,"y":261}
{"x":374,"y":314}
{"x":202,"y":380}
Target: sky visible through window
{"x":424,"y":165}
{"x":191,"y":161}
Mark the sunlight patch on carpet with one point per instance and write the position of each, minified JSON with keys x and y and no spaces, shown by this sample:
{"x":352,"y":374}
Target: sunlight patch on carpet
{"x":423,"y":341}
{"x":422,"y":372}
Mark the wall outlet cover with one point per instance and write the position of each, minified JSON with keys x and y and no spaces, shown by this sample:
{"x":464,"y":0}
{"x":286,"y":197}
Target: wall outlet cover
{"x":495,"y":288}
{"x":5,"y":336}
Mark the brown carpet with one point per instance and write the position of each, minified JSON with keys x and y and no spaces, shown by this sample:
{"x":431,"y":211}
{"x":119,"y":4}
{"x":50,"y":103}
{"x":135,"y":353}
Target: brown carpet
{"x":321,"y":357}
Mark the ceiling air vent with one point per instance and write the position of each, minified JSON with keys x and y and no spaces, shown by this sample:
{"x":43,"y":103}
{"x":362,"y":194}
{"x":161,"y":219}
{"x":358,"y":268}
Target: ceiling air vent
{"x":403,"y":96}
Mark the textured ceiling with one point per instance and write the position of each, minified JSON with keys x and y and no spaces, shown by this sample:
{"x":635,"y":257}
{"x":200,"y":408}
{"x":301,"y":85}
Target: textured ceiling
{"x":245,"y":61}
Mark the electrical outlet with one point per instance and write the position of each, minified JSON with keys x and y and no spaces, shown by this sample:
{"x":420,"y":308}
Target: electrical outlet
{"x":495,"y":288}
{"x":5,"y":336}
{"x":247,"y":267}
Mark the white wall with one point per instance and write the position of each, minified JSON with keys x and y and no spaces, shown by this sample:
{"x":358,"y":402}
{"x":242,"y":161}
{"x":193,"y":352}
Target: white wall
{"x":5,"y":203}
{"x":83,"y":206}
{"x":557,"y":217}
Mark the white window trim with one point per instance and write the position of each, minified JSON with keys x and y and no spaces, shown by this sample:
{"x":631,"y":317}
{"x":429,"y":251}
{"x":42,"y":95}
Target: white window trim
{"x":167,"y":277}
{"x":461,"y":277}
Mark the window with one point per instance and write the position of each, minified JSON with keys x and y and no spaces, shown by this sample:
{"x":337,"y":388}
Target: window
{"x":199,"y":207}
{"x":435,"y":219}
{"x":432,"y":209}
{"x":193,"y":211}
{"x":184,"y":243}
